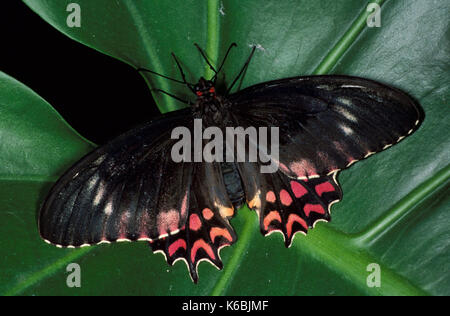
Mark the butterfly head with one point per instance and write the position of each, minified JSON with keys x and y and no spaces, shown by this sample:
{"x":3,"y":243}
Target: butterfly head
{"x":205,"y":89}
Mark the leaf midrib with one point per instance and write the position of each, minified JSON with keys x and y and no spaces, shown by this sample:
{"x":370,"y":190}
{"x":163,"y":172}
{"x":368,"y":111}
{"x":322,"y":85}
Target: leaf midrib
{"x":47,"y":271}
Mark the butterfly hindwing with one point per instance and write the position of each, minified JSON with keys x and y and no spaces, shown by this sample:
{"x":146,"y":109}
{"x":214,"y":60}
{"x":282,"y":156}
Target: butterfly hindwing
{"x":207,"y":229}
{"x":285,"y":204}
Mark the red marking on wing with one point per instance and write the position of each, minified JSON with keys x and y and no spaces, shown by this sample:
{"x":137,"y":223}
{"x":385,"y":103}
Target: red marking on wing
{"x":194,"y":222}
{"x":217,"y":231}
{"x":272,"y":216}
{"x":294,"y":218}
{"x":270,"y":197}
{"x":298,"y":189}
{"x":201,"y":244}
{"x":179,"y":243}
{"x":324,"y":187}
{"x":207,"y":213}
{"x":285,"y":198}
{"x":317,"y":208}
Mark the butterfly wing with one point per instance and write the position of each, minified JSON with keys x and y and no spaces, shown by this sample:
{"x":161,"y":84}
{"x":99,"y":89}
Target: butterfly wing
{"x":327,"y":122}
{"x":288,"y":205}
{"x":131,"y":189}
{"x":121,"y":191}
{"x":207,"y":229}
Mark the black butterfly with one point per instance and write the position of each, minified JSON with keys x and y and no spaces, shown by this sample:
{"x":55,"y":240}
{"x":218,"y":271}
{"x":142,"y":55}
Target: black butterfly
{"x":130,"y":189}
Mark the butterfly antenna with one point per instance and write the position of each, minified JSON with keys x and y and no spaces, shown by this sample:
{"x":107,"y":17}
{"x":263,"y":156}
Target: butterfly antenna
{"x":206,"y":59}
{"x":243,"y":69}
{"x":190,"y":85}
{"x":223,"y":62}
{"x":160,"y":75}
{"x":173,"y":96}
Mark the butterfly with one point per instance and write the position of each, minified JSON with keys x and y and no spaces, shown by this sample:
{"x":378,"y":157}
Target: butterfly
{"x":132,"y":190}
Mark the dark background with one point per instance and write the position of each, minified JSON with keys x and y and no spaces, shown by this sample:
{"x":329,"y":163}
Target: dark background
{"x":97,"y":95}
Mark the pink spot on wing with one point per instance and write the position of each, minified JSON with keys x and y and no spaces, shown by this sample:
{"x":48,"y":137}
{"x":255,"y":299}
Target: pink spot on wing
{"x":285,"y":198}
{"x":168,"y":221}
{"x":194,"y":222}
{"x":270,"y":197}
{"x":317,"y":208}
{"x":272,"y":216}
{"x":180,"y":243}
{"x":144,"y":224}
{"x":184,"y":205}
{"x":298,"y":189}
{"x":201,"y":244}
{"x":123,"y":224}
{"x":303,"y":168}
{"x":291,"y":220}
{"x":207,"y":213}
{"x":284,"y":168}
{"x":324,"y":187}
{"x":217,"y":231}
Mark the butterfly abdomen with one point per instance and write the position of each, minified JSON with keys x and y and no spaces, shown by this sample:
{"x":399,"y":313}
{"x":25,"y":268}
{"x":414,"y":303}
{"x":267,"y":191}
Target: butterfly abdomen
{"x":233,"y":184}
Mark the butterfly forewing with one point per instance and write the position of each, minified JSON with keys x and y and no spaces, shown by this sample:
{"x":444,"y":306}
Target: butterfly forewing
{"x":327,"y":122}
{"x":121,"y":191}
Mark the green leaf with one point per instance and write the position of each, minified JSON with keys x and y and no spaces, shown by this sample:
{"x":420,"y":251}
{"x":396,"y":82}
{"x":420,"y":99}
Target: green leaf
{"x":34,"y":139}
{"x":395,"y":206}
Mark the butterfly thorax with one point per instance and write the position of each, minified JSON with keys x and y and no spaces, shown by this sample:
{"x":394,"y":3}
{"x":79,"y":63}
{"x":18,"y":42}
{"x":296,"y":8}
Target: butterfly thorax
{"x":209,"y":106}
